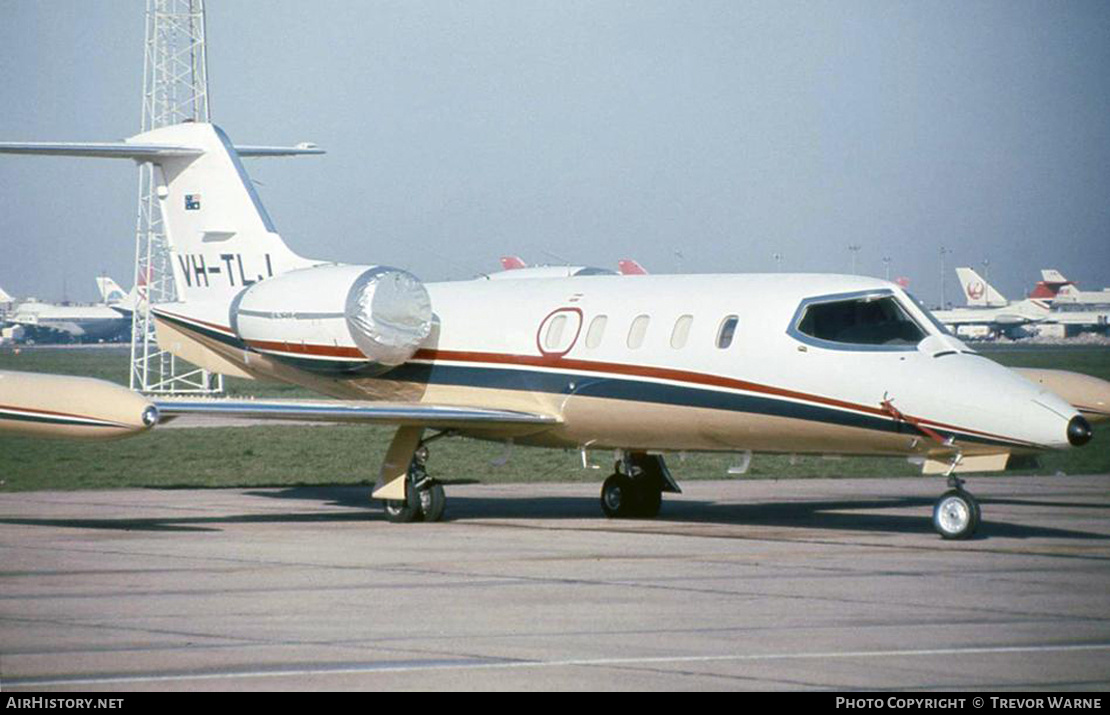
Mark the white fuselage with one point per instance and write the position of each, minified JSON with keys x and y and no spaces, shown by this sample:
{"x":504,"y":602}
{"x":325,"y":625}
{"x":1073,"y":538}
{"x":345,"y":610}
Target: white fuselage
{"x":655,"y":376}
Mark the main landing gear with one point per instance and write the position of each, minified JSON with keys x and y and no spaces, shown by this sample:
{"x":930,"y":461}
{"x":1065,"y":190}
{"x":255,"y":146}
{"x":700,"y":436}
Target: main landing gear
{"x":424,"y":497}
{"x":635,"y":489}
{"x":956,"y":514}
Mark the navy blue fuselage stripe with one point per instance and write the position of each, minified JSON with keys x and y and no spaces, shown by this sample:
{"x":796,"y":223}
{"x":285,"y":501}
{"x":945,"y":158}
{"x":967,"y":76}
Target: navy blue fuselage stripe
{"x":625,"y":389}
{"x":50,"y":419}
{"x":633,"y":390}
{"x":206,"y":332}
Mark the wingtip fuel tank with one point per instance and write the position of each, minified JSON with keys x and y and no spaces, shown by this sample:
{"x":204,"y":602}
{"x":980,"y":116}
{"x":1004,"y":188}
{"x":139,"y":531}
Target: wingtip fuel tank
{"x":71,"y":407}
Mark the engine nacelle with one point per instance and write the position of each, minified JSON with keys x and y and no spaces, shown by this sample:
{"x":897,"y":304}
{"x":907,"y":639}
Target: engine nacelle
{"x":324,"y":311}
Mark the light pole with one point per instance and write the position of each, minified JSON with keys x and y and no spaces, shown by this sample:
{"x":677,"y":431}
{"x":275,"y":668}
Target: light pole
{"x":854,"y":249}
{"x":943,"y":252}
{"x":886,"y":267}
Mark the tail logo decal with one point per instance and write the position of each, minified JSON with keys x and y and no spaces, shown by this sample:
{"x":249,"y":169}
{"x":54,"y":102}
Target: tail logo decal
{"x":192,"y":202}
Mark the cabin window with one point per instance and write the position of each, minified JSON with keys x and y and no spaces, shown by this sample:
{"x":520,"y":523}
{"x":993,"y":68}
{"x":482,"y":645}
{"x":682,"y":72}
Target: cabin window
{"x":863,"y":320}
{"x":595,"y":331}
{"x":637,"y":332}
{"x":727,"y":331}
{"x":554,"y":336}
{"x":681,"y":331}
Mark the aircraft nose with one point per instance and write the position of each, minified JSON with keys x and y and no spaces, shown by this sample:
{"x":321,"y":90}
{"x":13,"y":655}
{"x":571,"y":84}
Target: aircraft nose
{"x":1079,"y":431}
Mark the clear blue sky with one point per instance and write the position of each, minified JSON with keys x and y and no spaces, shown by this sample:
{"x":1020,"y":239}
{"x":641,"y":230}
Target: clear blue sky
{"x":728,"y":131}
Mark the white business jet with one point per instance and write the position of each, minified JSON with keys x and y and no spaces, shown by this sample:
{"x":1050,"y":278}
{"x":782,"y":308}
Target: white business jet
{"x":821,"y":364}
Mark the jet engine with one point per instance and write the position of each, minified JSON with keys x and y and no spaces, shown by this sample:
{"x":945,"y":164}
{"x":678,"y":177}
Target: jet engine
{"x":320,"y":311}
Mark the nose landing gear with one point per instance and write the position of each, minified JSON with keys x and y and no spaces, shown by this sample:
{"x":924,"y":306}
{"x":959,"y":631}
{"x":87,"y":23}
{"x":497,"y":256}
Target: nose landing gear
{"x":956,"y":514}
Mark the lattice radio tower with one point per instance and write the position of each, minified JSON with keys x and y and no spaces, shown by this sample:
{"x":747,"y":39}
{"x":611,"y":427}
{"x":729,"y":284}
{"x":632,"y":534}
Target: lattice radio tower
{"x":175,"y":90}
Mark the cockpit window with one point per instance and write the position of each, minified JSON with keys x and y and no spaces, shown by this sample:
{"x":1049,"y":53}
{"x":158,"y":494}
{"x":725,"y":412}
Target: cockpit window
{"x":861,"y":320}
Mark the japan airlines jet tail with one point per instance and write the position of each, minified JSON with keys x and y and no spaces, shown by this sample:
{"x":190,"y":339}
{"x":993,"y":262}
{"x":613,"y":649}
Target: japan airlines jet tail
{"x":978,"y":292}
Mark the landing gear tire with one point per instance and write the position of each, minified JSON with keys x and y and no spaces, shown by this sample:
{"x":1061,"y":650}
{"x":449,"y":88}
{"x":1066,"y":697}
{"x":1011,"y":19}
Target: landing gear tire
{"x":618,"y":497}
{"x":404,"y":511}
{"x":424,"y":504}
{"x":623,"y":497}
{"x":956,"y":515}
{"x":432,"y":502}
{"x":650,"y":501}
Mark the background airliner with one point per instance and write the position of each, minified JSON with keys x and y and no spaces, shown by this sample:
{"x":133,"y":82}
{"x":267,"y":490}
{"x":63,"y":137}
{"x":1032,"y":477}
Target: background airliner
{"x":1054,"y":305}
{"x":110,"y":320}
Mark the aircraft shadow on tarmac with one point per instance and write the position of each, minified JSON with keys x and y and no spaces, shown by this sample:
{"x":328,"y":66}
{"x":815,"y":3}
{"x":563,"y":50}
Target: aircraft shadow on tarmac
{"x":859,"y":515}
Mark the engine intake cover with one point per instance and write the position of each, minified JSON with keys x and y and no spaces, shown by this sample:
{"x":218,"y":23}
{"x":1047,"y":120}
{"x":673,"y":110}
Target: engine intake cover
{"x":388,"y":314}
{"x":327,"y":312}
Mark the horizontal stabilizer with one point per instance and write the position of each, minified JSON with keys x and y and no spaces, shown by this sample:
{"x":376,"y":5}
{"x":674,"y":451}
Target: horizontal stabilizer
{"x":391,"y":413}
{"x":299,"y":150}
{"x":101,"y":150}
{"x":143,"y":152}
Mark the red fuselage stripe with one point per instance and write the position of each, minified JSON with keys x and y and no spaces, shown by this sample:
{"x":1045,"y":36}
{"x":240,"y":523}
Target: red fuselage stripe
{"x":558,"y":362}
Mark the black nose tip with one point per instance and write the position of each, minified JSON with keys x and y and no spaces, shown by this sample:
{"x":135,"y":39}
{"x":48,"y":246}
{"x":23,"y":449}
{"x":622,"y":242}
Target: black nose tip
{"x":1079,"y":431}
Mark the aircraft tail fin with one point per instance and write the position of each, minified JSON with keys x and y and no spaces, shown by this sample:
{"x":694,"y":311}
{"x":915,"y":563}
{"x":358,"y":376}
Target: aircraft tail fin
{"x":110,"y":292}
{"x":5,"y":298}
{"x":512,"y":263}
{"x":114,"y":297}
{"x":629,"y":267}
{"x":1052,"y":284}
{"x":978,"y":292}
{"x":219,"y":234}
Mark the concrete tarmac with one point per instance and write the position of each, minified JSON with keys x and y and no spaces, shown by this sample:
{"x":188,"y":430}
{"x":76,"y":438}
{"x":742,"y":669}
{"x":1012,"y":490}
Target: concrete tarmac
{"x":800,"y":584}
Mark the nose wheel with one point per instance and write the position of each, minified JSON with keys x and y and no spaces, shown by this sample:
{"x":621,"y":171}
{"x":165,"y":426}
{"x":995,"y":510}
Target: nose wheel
{"x":956,"y":514}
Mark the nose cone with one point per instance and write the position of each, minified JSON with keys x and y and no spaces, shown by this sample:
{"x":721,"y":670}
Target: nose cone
{"x":1079,"y":431}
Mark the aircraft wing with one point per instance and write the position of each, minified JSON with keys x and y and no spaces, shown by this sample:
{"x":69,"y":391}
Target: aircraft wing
{"x":366,"y":412}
